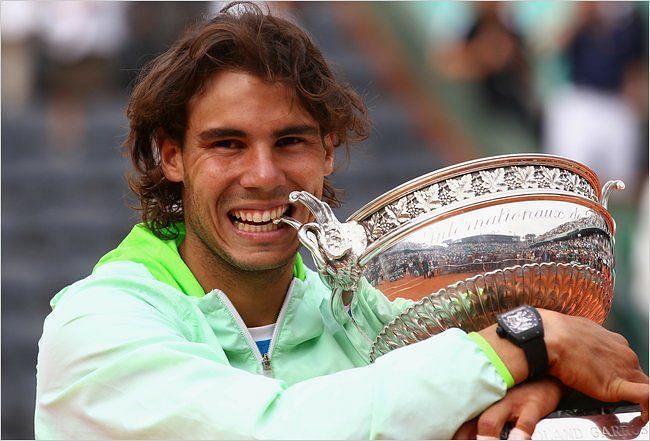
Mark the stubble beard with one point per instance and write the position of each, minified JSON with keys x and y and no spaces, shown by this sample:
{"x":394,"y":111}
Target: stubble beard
{"x":220,"y":258}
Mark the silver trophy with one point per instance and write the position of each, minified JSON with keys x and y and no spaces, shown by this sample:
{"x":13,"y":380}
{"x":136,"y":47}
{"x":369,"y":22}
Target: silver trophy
{"x":473,"y":240}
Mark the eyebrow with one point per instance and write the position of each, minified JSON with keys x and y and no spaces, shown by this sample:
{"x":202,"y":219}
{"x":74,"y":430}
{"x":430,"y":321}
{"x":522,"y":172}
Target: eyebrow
{"x":217,"y":132}
{"x":213,"y":133}
{"x":304,"y":129}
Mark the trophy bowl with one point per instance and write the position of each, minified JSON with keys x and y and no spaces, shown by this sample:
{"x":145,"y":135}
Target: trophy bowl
{"x":476,"y":239}
{"x":473,"y":240}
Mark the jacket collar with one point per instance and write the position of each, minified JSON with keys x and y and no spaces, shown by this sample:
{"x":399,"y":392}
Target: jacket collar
{"x":301,"y":321}
{"x":162,"y":259}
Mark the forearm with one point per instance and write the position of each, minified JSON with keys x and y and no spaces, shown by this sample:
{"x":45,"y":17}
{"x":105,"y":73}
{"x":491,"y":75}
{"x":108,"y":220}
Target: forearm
{"x":513,"y":356}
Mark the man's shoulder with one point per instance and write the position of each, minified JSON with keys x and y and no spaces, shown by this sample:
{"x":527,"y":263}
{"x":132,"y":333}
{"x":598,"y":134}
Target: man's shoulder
{"x":116,"y":283}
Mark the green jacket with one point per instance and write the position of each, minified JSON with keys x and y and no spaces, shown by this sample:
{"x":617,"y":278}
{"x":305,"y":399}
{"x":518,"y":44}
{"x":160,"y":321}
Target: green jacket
{"x":138,"y":350}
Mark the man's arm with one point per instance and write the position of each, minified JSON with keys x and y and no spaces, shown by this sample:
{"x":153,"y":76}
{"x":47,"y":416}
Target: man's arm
{"x":121,"y":364}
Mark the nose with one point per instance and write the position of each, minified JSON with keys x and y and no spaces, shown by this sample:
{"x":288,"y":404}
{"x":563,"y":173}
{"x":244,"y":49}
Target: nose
{"x":262,"y":169}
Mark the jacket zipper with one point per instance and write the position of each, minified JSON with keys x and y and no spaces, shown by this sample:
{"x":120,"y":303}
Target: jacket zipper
{"x":266,"y":365}
{"x":263,"y":360}
{"x":266,"y":360}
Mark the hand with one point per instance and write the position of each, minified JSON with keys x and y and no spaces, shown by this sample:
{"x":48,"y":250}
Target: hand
{"x":629,"y":430}
{"x":590,"y":359}
{"x":524,"y":405}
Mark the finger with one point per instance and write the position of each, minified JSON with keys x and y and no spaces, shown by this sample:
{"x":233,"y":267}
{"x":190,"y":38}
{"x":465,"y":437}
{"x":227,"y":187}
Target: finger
{"x":529,"y":416}
{"x":518,"y":434}
{"x":491,"y":422}
{"x":635,"y":426}
{"x":629,"y":430}
{"x":644,"y":388}
{"x":634,"y":392}
{"x":645,"y":405}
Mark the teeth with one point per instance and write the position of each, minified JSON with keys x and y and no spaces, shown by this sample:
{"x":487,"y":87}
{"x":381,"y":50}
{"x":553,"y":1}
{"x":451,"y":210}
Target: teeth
{"x":255,"y":228}
{"x":258,"y":216}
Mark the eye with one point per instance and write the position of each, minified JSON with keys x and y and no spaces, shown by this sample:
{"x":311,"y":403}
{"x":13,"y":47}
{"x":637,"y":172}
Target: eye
{"x":228,"y":144}
{"x":289,"y":140}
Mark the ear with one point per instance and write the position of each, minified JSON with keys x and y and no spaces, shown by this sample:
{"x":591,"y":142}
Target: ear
{"x":171,"y":159}
{"x":328,"y":143}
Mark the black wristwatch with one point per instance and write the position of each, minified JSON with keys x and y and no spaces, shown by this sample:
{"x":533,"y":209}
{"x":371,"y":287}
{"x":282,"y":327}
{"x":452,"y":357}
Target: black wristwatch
{"x":523,"y":327}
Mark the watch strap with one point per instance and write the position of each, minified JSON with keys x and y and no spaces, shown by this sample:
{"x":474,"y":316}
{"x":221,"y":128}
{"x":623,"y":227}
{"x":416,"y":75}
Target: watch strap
{"x":536,"y":356}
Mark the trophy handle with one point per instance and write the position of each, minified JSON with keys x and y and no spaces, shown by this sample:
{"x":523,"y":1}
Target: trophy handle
{"x":610,"y":186}
{"x":335,"y":246}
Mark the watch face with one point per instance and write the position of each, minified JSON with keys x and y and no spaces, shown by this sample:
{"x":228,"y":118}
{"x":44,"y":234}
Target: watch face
{"x":520,"y":320}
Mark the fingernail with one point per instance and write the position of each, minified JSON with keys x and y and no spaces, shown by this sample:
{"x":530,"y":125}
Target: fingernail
{"x":518,"y":434}
{"x":485,"y":437}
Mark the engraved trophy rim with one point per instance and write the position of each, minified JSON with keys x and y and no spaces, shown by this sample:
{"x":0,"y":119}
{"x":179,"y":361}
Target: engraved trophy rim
{"x":515,"y":177}
{"x":476,"y":165}
{"x":394,"y":237}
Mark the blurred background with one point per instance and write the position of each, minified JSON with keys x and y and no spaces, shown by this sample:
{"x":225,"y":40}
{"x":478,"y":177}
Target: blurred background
{"x":445,"y":82}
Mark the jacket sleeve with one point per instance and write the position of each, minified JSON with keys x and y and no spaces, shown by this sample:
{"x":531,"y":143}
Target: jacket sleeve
{"x":112,"y":365}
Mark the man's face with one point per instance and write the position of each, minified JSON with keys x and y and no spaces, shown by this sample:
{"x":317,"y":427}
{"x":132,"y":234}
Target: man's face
{"x":249,"y":143}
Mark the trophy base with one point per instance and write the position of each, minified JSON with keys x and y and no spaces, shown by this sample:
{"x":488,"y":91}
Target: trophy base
{"x":582,"y":418}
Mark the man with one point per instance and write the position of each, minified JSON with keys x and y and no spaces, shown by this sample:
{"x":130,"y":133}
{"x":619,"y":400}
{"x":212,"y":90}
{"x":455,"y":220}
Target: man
{"x":158,"y":342}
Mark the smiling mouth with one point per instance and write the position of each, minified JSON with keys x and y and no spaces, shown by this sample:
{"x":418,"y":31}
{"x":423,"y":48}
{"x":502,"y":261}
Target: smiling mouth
{"x":258,"y":221}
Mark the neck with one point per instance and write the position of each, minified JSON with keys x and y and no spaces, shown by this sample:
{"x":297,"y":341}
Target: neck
{"x":256,"y":295}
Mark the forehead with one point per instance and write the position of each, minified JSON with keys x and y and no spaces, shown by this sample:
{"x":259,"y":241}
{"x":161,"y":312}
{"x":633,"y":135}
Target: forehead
{"x":240,"y":98}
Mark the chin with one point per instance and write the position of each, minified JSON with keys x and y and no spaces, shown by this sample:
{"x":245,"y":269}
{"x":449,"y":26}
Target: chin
{"x":266,"y":263}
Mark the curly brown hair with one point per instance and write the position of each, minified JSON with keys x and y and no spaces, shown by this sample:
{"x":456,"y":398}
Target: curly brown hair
{"x":240,"y":37}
